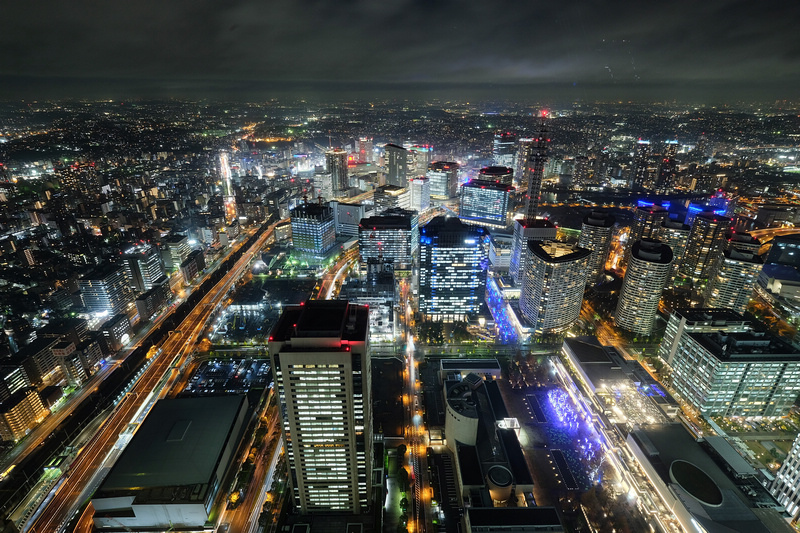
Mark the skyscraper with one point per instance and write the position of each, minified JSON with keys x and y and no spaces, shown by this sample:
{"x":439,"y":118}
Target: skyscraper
{"x":394,"y":234}
{"x":786,"y":485}
{"x":420,"y":193}
{"x":596,"y":236}
{"x":422,"y":157}
{"x":485,"y":203}
{"x":675,"y":235}
{"x":552,"y":290}
{"x":706,"y":242}
{"x":336,"y":166}
{"x":533,"y":172}
{"x":143,"y":266}
{"x":365,"y":151}
{"x":313,"y":228}
{"x":504,"y":149}
{"x":704,"y":320}
{"x":396,"y":165}
{"x":646,"y":223}
{"x":444,"y":179}
{"x":640,"y":166}
{"x":452,"y":269}
{"x":645,"y":277}
{"x":666,"y":172}
{"x":732,"y":280}
{"x":105,"y":290}
{"x":580,"y":172}
{"x":321,"y":359}
{"x":502,"y":175}
{"x":535,"y":229}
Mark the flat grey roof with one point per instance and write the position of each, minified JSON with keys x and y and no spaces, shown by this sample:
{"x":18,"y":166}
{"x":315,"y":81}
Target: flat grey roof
{"x":179,"y":443}
{"x":470,"y":364}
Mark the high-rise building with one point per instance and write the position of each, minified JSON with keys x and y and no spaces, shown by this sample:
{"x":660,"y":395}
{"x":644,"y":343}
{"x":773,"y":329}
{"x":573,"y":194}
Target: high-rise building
{"x":501,"y":175}
{"x":143,"y":266}
{"x":336,"y":166}
{"x":580,"y":172}
{"x":675,"y":235}
{"x":396,"y":165}
{"x":645,"y":277}
{"x":175,"y":250}
{"x":105,"y":290}
{"x":552,"y":290}
{"x":786,"y":485}
{"x":533,"y":172}
{"x":391,"y":196}
{"x":666,"y":172}
{"x":394,"y":234}
{"x":444,"y":179}
{"x":704,"y":320}
{"x":422,"y":157}
{"x":346,"y":217}
{"x":504,"y":149}
{"x":536,"y":229}
{"x":706,"y":242}
{"x":596,"y":233}
{"x":641,"y":165}
{"x":647,"y":221}
{"x":20,"y":413}
{"x":420,"y":193}
{"x":724,"y":373}
{"x":744,"y":242}
{"x":320,"y":356}
{"x":732,"y":280}
{"x":365,"y":150}
{"x":452,"y":269}
{"x":313,"y":228}
{"x":485,"y":203}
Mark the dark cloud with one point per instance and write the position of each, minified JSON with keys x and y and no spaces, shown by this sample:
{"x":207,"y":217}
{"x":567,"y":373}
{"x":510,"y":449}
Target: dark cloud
{"x":190,"y":46}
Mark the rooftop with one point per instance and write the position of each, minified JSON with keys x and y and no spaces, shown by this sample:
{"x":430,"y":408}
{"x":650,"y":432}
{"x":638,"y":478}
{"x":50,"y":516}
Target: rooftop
{"x":322,"y":318}
{"x":753,"y":346}
{"x":557,"y":252}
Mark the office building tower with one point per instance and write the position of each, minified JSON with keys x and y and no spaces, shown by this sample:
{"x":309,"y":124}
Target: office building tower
{"x":175,"y":250}
{"x":666,"y":172}
{"x":703,"y":320}
{"x":485,"y":203}
{"x":104,"y":290}
{"x":596,"y":233}
{"x":320,"y":356}
{"x":675,"y":235}
{"x":640,"y":165}
{"x":365,"y":150}
{"x":786,"y":485}
{"x":749,"y":373}
{"x":346,"y":217}
{"x":744,"y":242}
{"x":645,"y":277}
{"x":533,"y":172}
{"x":646,"y":224}
{"x":452,"y":269}
{"x":313,"y":229}
{"x":504,"y":148}
{"x":396,"y":165}
{"x":501,"y":175}
{"x":336,"y":166}
{"x":391,"y":197}
{"x":732,"y":280}
{"x":536,"y":229}
{"x":392,"y":235}
{"x":422,"y":156}
{"x":706,"y":242}
{"x":143,"y":266}
{"x":444,"y":179}
{"x":420,"y":193}
{"x":552,"y":290}
{"x":580,"y":172}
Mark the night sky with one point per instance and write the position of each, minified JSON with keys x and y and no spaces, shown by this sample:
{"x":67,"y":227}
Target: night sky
{"x":698,"y":50}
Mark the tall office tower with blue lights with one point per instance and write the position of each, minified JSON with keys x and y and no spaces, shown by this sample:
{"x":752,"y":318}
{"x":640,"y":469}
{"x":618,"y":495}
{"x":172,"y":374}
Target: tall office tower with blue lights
{"x":485,"y":203}
{"x":645,"y":277}
{"x":552,"y":290}
{"x":321,"y":359}
{"x":452,"y":269}
{"x":596,"y":236}
{"x":313,"y":229}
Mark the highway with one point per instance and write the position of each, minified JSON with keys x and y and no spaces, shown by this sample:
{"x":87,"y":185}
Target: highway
{"x":174,"y":348}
